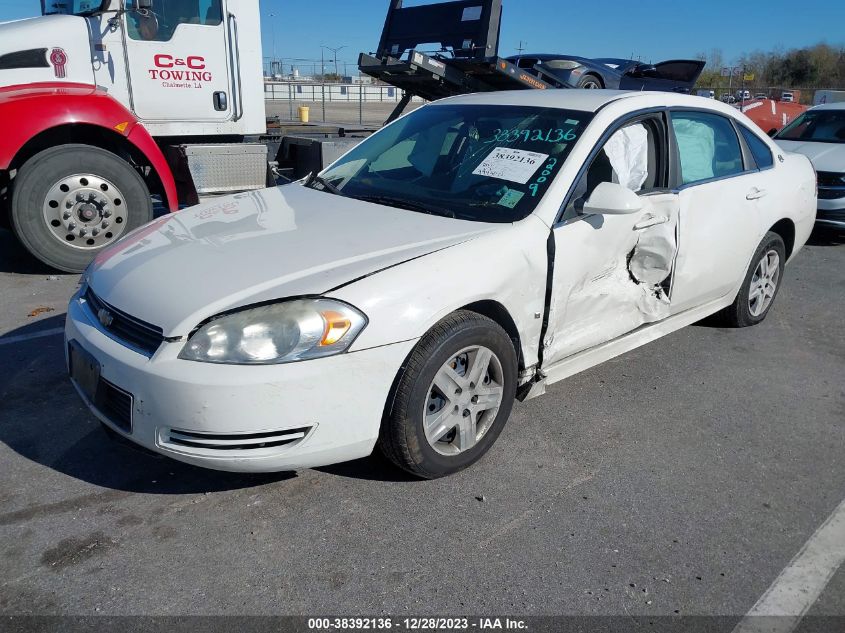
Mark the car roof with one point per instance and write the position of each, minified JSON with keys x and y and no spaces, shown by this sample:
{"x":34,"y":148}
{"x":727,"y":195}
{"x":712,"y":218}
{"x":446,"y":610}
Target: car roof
{"x":840,"y":105}
{"x":585,"y":100}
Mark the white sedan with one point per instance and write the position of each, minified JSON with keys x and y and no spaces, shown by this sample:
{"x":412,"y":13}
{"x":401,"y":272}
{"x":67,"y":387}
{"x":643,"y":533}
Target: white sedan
{"x":819,"y":134}
{"x":471,"y":253}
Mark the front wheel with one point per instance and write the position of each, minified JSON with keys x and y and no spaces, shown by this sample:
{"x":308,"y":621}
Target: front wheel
{"x":453,"y":397}
{"x":590,"y":82}
{"x":761,"y":284}
{"x":71,"y":201}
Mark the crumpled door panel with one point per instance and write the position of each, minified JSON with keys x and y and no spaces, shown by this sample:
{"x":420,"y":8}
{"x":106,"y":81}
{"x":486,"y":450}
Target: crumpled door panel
{"x":622,"y":282}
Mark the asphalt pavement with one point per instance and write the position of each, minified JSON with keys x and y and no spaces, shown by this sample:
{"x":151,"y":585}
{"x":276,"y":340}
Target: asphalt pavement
{"x":678,"y":479}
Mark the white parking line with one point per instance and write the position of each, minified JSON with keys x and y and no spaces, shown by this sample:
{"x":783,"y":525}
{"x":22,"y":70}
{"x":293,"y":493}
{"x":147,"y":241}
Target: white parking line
{"x":800,"y":584}
{"x":28,"y":337}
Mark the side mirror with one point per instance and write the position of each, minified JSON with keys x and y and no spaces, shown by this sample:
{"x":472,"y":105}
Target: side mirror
{"x":610,"y":198}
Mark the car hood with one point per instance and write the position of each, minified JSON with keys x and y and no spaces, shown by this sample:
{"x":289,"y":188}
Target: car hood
{"x":824,"y":156}
{"x":260,"y":246}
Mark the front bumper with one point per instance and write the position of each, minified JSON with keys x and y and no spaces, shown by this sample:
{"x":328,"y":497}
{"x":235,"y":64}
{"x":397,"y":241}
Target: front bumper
{"x":238,"y":418}
{"x":831,"y":212}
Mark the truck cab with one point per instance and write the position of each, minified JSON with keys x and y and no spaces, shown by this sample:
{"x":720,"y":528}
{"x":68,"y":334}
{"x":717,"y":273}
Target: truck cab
{"x":181,"y":67}
{"x":117,"y":103}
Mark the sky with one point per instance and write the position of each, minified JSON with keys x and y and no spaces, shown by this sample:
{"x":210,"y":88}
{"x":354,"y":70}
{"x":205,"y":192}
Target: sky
{"x":652,"y":30}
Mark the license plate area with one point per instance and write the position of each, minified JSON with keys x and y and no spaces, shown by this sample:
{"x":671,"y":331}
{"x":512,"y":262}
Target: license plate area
{"x":84,"y":370}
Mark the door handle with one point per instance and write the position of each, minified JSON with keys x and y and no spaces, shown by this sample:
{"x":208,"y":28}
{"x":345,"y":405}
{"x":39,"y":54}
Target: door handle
{"x":755,"y":194}
{"x":650,"y":220}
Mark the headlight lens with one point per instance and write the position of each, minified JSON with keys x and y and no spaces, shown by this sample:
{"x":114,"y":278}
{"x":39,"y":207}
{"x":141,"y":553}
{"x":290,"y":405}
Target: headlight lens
{"x":278,"y":333}
{"x":562,"y":64}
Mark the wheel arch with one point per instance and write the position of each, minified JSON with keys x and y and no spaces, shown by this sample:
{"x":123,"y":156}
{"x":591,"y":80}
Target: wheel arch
{"x":786,"y":229}
{"x":53,"y":113}
{"x":95,"y":136}
{"x":499,"y":314}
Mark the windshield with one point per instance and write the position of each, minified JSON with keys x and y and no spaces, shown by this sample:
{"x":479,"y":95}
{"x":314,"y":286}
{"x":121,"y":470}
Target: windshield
{"x":816,"y":126}
{"x":70,"y":7}
{"x":487,"y":163}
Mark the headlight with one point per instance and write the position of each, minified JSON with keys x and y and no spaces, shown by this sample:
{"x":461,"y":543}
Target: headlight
{"x":278,"y":333}
{"x":561,"y":64}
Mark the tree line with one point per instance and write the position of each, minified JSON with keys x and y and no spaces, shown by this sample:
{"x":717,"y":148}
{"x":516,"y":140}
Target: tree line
{"x":813,"y":67}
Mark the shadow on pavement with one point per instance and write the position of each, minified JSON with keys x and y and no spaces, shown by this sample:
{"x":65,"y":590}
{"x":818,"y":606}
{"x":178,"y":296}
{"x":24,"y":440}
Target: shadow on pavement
{"x":43,"y":419}
{"x":826,"y":236}
{"x":15,"y":259}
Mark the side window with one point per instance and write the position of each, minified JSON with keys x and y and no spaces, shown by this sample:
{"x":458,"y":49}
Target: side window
{"x":759,"y":150}
{"x":630,"y":157}
{"x":708,"y":146}
{"x":166,"y":15}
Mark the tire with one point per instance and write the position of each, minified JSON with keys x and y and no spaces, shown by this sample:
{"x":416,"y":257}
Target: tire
{"x":590,"y":82}
{"x":53,"y":223}
{"x":745,"y":310}
{"x":457,"y":340}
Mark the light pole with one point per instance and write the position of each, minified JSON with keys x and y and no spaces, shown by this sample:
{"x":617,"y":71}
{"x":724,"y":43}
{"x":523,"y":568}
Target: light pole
{"x":273,"y":38}
{"x":334,"y":51}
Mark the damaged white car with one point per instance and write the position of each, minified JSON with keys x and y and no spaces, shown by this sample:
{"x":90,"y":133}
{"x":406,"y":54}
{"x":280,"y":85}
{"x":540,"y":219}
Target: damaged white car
{"x":473,"y":252}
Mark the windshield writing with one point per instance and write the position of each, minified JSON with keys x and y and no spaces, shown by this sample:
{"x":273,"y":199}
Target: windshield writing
{"x":487,"y":163}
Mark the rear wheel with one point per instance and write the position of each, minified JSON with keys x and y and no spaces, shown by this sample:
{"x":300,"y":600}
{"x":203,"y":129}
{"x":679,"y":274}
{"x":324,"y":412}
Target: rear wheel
{"x":70,"y":202}
{"x":761,"y":285}
{"x":453,"y":397}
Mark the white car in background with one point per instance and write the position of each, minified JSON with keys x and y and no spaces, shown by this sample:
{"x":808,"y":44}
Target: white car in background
{"x":474,"y":251}
{"x":819,"y":134}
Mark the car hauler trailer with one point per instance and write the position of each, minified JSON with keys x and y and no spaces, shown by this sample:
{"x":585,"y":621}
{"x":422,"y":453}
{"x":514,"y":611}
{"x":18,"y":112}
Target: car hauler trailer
{"x":105,"y":102}
{"x":466,"y":36}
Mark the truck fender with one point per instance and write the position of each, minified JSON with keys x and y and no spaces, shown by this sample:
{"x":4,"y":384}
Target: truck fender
{"x":32,"y":109}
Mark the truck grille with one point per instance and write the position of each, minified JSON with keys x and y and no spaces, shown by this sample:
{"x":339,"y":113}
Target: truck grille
{"x":234,"y":441}
{"x":134,"y":333}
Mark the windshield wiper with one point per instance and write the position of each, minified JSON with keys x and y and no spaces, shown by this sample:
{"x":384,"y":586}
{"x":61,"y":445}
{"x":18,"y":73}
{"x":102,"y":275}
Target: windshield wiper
{"x":411,"y":205}
{"x":313,"y":178}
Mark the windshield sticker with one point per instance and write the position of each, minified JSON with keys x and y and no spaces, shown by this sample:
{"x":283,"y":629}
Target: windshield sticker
{"x":548,"y":135}
{"x":511,"y":198}
{"x":514,"y":165}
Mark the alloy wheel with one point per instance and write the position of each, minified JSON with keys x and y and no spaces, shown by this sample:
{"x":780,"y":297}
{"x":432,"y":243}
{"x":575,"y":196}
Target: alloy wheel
{"x":764,"y":283}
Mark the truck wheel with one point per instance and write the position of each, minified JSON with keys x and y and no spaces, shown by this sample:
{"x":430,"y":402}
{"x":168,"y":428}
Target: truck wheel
{"x":71,"y":201}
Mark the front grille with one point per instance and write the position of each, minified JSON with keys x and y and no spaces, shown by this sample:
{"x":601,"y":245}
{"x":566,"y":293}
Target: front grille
{"x":133,"y":332}
{"x":114,"y":403}
{"x":235,"y":441}
{"x":830,"y":179}
{"x":831,"y":193}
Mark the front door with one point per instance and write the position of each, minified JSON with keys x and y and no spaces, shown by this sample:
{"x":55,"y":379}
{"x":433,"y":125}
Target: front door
{"x":613,"y":273}
{"x":178,"y":60}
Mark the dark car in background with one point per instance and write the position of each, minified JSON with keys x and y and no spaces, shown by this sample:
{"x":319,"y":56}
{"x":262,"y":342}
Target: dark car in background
{"x":677,"y":75}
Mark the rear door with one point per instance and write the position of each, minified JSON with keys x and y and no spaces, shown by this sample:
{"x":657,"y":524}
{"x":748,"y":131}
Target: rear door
{"x":719,"y":225}
{"x":178,"y":61}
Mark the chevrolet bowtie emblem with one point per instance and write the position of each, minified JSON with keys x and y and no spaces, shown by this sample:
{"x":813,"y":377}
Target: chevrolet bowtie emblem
{"x":104,"y":317}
